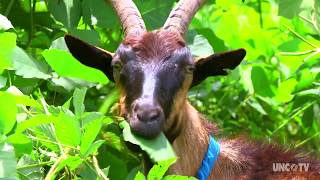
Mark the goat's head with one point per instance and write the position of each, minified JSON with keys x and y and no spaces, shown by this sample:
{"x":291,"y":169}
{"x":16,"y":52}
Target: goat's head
{"x":153,"y":70}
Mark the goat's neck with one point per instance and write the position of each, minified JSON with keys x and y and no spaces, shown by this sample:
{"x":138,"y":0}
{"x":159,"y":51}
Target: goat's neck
{"x":192,"y":143}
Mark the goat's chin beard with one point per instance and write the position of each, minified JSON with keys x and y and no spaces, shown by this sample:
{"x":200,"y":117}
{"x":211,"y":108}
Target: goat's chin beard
{"x":147,"y":130}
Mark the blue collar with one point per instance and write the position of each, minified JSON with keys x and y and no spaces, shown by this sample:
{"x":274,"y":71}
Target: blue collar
{"x":209,"y":159}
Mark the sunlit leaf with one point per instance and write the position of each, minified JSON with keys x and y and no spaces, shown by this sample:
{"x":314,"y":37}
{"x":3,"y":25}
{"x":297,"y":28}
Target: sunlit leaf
{"x":28,"y":67}
{"x":67,"y":129}
{"x":66,"y":65}
{"x":7,"y":45}
{"x":158,"y":149}
{"x":158,"y":170}
{"x":260,"y":82}
{"x":66,"y":11}
{"x":78,"y":99}
{"x":8,"y":162}
{"x":8,"y":111}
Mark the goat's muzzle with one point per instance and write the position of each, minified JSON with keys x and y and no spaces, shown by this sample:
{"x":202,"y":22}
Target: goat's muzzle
{"x":146,"y":119}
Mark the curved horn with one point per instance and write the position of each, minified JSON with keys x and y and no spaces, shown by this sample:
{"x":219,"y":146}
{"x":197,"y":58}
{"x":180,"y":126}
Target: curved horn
{"x":181,"y":15}
{"x":130,"y":17}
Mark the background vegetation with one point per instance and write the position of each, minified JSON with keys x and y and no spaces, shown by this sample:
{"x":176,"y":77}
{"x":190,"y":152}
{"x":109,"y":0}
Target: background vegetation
{"x":56,"y":119}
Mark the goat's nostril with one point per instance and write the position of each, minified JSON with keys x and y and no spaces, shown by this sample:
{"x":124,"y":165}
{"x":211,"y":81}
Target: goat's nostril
{"x":154,"y":115}
{"x":148,"y":115}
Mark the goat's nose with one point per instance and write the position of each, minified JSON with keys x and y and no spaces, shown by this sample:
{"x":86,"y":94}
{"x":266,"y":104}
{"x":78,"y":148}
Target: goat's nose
{"x":148,"y":112}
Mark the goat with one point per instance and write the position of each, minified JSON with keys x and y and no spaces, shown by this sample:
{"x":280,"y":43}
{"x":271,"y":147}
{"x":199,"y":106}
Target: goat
{"x":154,"y":70}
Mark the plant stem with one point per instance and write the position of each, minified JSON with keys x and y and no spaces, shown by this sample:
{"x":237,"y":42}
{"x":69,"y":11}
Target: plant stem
{"x":99,"y":171}
{"x":299,"y":36}
{"x":9,"y":8}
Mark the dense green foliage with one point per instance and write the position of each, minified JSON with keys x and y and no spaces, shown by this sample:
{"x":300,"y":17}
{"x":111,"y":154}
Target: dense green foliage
{"x":57,"y":116}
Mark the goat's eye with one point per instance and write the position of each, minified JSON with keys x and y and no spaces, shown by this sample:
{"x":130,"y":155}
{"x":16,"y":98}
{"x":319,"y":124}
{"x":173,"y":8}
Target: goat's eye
{"x":117,"y":66}
{"x":189,"y":68}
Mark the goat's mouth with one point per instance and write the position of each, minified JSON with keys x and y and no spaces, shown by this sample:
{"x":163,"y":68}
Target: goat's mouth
{"x":148,"y":129}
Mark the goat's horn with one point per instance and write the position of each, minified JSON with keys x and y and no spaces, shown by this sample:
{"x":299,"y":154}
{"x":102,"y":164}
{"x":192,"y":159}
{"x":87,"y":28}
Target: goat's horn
{"x":130,"y":17}
{"x":181,"y":15}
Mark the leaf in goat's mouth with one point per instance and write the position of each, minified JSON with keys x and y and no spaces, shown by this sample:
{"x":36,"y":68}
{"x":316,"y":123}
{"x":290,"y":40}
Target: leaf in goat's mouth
{"x":158,"y":149}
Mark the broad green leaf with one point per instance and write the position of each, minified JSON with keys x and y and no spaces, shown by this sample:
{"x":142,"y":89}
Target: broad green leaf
{"x":260,"y":82}
{"x":3,"y":81}
{"x":20,"y":98}
{"x":8,"y":111}
{"x":158,"y":170}
{"x":67,"y":129}
{"x":8,"y":162}
{"x":93,"y":149}
{"x":27,"y":167}
{"x":289,"y":8}
{"x":5,"y":24}
{"x":285,"y":89}
{"x":98,"y":12}
{"x":72,"y":162}
{"x":66,"y":11}
{"x":66,"y":65}
{"x":28,"y":67}
{"x":63,"y":84}
{"x":7,"y":45}
{"x":256,"y":105}
{"x":200,"y":46}
{"x":154,"y":12}
{"x":35,"y":121}
{"x":158,"y":149}
{"x":78,"y":100}
{"x":89,"y":36}
{"x":22,"y":144}
{"x":139,"y":176}
{"x":90,"y":132}
{"x":59,"y":43}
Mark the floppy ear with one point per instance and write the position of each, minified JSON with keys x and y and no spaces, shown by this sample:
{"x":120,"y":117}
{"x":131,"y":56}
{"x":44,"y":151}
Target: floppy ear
{"x":217,"y":64}
{"x":90,"y":55}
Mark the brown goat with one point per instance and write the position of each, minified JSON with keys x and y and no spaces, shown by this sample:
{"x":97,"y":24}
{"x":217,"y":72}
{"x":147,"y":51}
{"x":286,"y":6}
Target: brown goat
{"x":154,"y":71}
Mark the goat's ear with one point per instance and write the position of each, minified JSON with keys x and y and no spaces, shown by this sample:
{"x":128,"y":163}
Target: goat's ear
{"x":90,"y":55}
{"x":217,"y":64}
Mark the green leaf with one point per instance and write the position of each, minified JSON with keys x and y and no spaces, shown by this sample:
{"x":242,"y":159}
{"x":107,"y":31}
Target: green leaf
{"x":5,"y":24}
{"x":7,"y":45}
{"x":93,"y":149}
{"x":90,"y":132}
{"x":27,"y":167}
{"x":89,"y":36}
{"x":285,"y":89}
{"x":8,"y":162}
{"x":158,"y":170}
{"x":289,"y":8}
{"x":72,"y":162}
{"x":66,"y":11}
{"x":139,"y":176}
{"x":78,"y":99}
{"x":59,"y":43}
{"x":158,"y":149}
{"x":3,"y":81}
{"x":67,"y":129}
{"x":22,"y":144}
{"x":260,"y":82}
{"x":200,"y":46}
{"x":28,"y":67}
{"x":98,"y":12}
{"x":66,"y":65}
{"x":154,"y":12}
{"x":8,"y":112}
{"x":35,"y":121}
